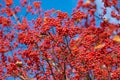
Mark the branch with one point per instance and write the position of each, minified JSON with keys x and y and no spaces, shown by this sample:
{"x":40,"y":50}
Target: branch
{"x":21,"y":77}
{"x":51,"y":69}
{"x":18,"y":22}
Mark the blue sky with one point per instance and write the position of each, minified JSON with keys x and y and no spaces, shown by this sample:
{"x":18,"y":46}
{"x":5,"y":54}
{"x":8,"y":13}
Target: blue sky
{"x":63,"y":5}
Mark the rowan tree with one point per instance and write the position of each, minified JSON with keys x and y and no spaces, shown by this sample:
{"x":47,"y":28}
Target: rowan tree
{"x":53,"y":45}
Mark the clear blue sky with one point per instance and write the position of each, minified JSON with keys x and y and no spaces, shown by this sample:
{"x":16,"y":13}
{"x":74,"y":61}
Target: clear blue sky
{"x":63,"y":5}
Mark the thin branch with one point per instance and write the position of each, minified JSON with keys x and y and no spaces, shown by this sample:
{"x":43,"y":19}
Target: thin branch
{"x":18,"y":22}
{"x":51,"y":69}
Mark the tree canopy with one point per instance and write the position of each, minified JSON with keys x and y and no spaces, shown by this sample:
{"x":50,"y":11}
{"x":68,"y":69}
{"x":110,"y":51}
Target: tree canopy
{"x":84,"y":45}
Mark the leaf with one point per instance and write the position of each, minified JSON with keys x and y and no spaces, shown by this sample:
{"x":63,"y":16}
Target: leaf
{"x":19,"y":63}
{"x":74,"y":47}
{"x":99,"y":46}
{"x":42,"y":36}
{"x":45,"y":19}
{"x":78,"y":20}
{"x":32,"y":78}
{"x":36,"y":4}
{"x":116,"y":38}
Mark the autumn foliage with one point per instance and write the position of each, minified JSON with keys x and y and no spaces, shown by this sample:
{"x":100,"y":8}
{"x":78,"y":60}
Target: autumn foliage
{"x":58,"y":46}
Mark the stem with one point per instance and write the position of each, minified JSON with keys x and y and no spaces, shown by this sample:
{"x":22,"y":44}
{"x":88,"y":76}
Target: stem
{"x":51,"y":69}
{"x":21,"y":77}
{"x":64,"y":73}
{"x":18,"y":22}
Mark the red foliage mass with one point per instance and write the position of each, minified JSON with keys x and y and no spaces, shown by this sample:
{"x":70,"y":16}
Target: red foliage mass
{"x":56,"y":46}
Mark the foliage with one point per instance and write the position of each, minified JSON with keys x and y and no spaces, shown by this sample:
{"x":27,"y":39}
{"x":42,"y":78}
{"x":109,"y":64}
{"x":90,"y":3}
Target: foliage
{"x":56,"y":46}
